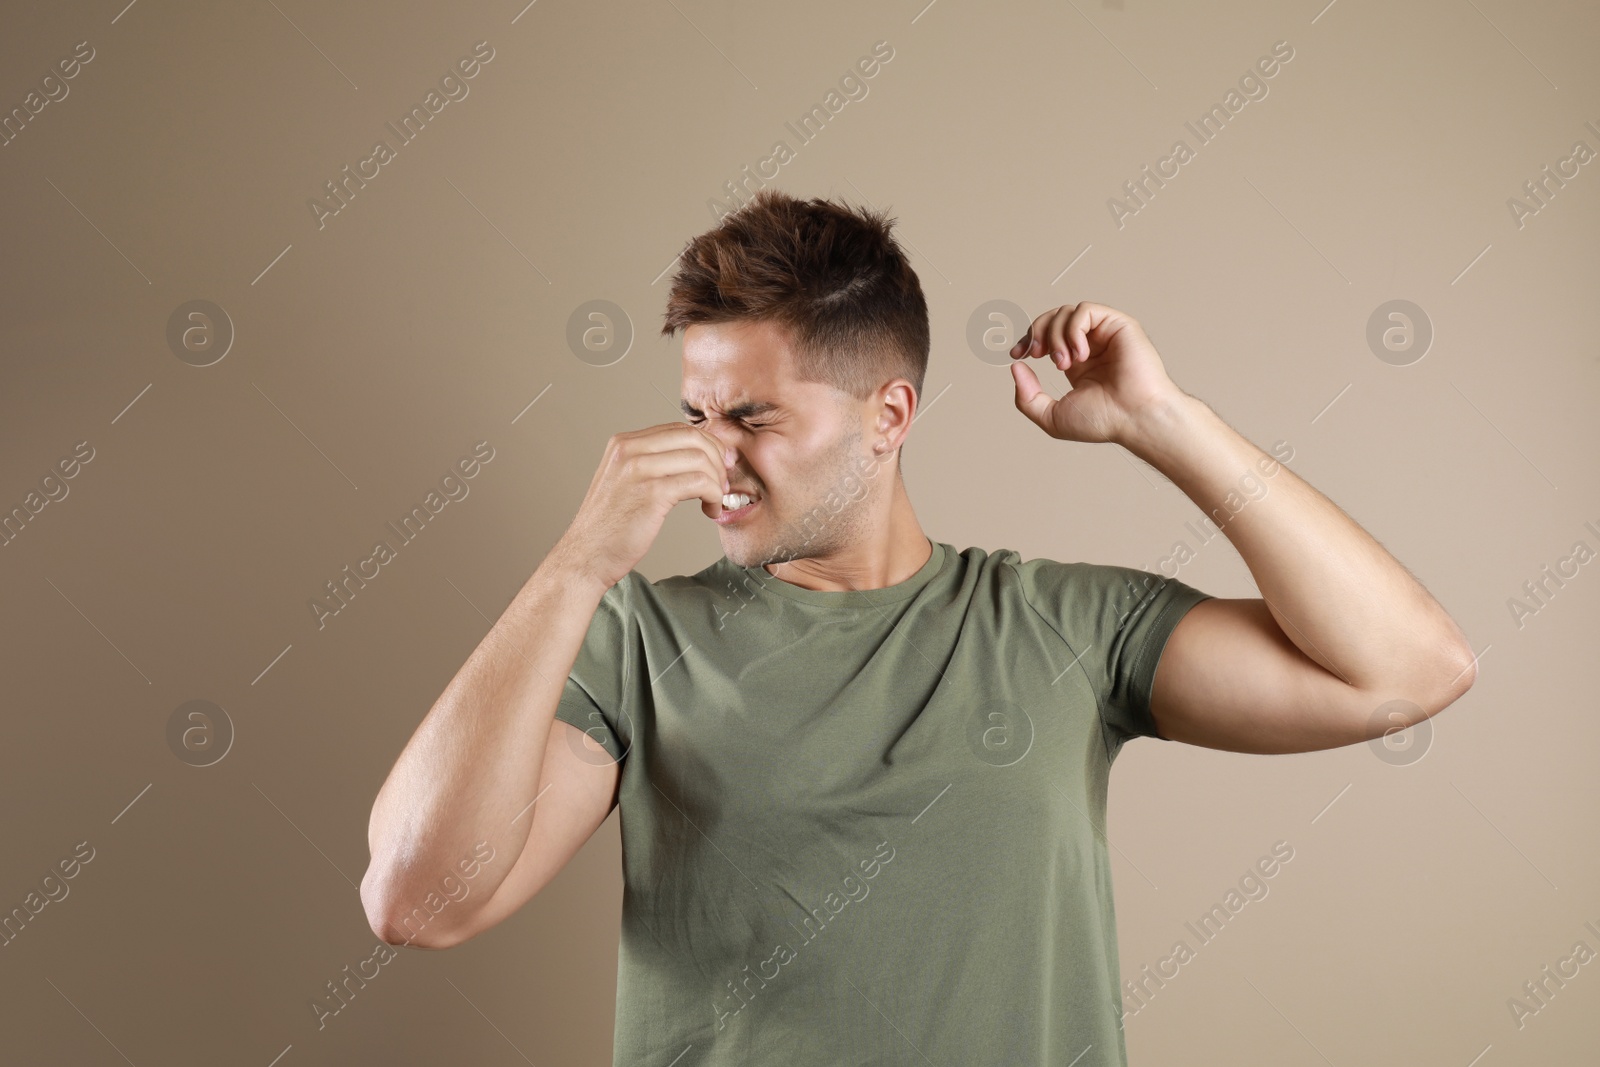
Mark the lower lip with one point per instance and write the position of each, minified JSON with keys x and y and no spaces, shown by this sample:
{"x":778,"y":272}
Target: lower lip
{"x":728,"y":517}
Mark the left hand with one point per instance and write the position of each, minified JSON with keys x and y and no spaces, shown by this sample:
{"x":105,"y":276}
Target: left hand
{"x":1116,"y":375}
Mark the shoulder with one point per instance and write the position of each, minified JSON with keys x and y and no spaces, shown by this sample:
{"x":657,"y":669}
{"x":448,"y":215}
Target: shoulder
{"x":1085,"y":594}
{"x":1017,"y":584}
{"x":676,"y":596}
{"x":1041,"y":574}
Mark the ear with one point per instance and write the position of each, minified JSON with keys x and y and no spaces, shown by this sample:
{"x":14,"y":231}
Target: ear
{"x":896,"y":408}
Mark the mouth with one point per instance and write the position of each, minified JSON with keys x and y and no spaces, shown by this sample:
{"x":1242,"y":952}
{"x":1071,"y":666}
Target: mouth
{"x":734,"y":507}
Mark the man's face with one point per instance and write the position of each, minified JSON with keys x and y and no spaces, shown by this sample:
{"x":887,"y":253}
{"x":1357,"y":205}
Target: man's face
{"x":800,"y":446}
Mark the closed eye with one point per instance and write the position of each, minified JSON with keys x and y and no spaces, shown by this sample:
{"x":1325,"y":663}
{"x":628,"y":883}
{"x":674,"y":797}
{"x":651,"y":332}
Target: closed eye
{"x":742,"y":422}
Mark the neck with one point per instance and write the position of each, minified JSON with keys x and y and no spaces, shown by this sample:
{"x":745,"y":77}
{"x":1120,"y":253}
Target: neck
{"x":892,"y":549}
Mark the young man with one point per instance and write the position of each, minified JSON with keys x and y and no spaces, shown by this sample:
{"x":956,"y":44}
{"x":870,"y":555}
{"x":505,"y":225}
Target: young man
{"x":863,"y":774}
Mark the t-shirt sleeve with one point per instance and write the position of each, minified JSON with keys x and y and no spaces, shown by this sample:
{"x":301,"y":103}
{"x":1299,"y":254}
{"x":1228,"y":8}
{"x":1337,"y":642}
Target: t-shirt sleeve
{"x":595,"y":694}
{"x":1115,"y":621}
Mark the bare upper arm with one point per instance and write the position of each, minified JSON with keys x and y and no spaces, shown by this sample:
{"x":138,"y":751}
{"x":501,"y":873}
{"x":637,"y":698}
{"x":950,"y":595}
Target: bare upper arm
{"x":577,"y":791}
{"x":1229,"y":678}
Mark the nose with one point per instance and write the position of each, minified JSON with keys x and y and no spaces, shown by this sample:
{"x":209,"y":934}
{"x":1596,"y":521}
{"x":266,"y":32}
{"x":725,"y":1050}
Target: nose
{"x":729,"y":455}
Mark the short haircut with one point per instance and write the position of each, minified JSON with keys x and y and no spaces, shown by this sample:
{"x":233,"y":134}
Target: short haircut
{"x":832,"y":276}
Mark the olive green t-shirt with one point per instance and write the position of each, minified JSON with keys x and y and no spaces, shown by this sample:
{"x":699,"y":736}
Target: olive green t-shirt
{"x":868,"y":827}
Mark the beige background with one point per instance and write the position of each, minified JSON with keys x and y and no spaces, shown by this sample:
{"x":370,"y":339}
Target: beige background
{"x":370,"y":355}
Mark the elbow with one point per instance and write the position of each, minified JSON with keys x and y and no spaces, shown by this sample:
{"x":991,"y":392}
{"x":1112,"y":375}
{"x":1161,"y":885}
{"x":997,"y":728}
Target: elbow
{"x":1460,"y":672}
{"x":1467,"y":674}
{"x":1463,"y":669}
{"x":394,"y":923}
{"x":376,"y":903}
{"x":1416,"y":700}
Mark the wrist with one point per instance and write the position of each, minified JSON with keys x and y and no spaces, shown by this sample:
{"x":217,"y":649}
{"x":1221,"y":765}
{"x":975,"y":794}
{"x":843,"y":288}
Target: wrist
{"x":1158,"y":427}
{"x":564,"y":565}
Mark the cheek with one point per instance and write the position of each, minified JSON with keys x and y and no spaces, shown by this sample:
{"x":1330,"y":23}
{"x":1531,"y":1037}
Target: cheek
{"x":772,"y":461}
{"x":793,"y":466}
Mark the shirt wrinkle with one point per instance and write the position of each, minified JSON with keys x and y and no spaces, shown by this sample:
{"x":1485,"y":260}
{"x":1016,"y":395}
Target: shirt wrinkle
{"x":853,"y":836}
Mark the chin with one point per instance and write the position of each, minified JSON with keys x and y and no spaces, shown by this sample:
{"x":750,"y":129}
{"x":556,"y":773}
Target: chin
{"x":744,"y":551}
{"x":740,"y":551}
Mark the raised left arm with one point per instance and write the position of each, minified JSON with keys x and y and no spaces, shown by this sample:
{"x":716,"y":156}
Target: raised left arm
{"x":1340,"y":631}
{"x":1343,"y":645}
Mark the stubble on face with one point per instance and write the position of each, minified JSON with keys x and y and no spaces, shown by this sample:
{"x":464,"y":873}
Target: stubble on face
{"x":806,"y":527}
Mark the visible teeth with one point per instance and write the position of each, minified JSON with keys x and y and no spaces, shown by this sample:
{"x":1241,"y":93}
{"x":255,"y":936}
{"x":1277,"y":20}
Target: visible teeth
{"x":734,"y":501}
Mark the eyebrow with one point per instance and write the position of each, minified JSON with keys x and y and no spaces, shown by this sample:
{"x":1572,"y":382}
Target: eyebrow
{"x":738,"y":411}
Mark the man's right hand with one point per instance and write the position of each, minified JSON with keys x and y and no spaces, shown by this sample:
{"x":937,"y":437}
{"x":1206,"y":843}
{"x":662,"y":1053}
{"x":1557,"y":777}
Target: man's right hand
{"x":641,"y":476}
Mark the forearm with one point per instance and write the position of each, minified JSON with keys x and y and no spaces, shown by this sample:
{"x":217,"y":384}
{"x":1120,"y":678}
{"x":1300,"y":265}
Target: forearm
{"x":1338,"y":594}
{"x":473,"y":764}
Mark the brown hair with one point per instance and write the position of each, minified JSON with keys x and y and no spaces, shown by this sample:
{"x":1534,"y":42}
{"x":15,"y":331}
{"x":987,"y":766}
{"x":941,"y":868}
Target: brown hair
{"x":831,"y":275}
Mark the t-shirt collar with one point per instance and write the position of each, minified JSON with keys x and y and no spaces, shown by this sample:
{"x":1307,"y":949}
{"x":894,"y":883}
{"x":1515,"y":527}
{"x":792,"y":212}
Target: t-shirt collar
{"x":849,"y":598}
